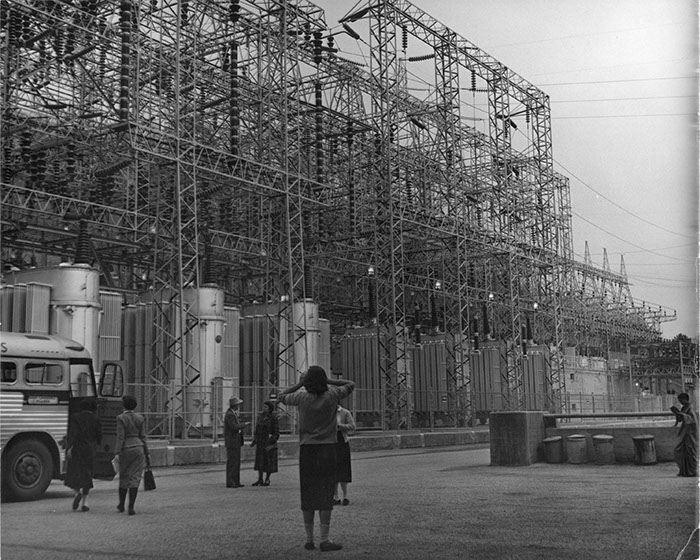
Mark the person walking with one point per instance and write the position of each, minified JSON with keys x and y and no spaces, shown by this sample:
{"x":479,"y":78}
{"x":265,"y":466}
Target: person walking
{"x":686,"y":451}
{"x":131,"y":450}
{"x":317,"y":398}
{"x":84,"y":435}
{"x":267,"y":432}
{"x":233,"y":439}
{"x":346,"y":427}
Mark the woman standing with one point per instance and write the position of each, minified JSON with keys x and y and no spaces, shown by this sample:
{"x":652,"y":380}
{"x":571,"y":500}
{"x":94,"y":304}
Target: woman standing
{"x":318,"y":403}
{"x":132,"y":451}
{"x":84,"y":434}
{"x":267,"y":433}
{"x":686,"y":451}
{"x":346,"y":427}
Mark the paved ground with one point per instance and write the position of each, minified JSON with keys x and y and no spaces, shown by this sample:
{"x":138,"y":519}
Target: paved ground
{"x":444,"y":503}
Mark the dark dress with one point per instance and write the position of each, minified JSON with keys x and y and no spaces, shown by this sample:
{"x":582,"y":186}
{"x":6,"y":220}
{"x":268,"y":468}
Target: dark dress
{"x":686,"y":451}
{"x":84,"y":435}
{"x":266,"y":434}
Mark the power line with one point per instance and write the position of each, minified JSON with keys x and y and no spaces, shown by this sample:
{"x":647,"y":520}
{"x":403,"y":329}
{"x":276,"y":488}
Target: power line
{"x":627,"y":116}
{"x":623,"y":99}
{"x":618,"y":81}
{"x":618,"y":206}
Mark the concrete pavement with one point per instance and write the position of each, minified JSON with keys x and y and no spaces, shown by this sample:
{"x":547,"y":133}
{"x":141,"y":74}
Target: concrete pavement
{"x":423,"y":503}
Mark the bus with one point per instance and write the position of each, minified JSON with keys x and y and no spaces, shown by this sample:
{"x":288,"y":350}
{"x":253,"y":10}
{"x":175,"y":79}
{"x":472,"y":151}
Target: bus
{"x":43,"y":379}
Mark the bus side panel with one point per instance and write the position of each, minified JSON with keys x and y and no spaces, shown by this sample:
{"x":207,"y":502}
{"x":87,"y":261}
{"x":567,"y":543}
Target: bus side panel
{"x":20,"y":414}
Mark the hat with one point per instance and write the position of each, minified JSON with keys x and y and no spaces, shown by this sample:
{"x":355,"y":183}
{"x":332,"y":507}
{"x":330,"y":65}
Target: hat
{"x":233,"y":401}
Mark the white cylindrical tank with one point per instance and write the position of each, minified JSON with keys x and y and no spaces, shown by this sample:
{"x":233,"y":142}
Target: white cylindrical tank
{"x":75,"y":301}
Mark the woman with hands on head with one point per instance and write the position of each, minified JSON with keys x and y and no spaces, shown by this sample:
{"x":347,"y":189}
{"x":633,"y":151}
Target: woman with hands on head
{"x":317,"y":398}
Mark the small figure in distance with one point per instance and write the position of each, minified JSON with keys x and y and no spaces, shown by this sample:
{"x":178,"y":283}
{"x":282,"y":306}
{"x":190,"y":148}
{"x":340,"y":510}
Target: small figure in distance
{"x":266,"y":434}
{"x":686,"y":451}
{"x":233,"y":438}
{"x":346,"y":427}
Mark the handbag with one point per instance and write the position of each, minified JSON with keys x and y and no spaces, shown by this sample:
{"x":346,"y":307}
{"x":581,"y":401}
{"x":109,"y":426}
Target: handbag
{"x":115,"y":464}
{"x":149,"y":481}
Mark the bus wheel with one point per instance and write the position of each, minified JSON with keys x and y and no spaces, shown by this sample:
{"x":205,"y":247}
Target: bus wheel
{"x":27,"y":471}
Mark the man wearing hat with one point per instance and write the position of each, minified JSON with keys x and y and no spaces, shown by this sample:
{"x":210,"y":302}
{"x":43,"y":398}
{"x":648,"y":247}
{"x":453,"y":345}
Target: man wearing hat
{"x":233,"y":438}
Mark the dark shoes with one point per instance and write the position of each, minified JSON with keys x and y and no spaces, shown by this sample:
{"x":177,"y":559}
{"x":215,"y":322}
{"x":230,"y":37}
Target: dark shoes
{"x":336,"y":502}
{"x":266,"y":483}
{"x":345,"y":501}
{"x":76,"y":501}
{"x":120,"y":508}
{"x":236,"y":485}
{"x":258,"y":483}
{"x":327,"y":546}
{"x":132,"y":512}
{"x":84,"y":508}
{"x":309,"y":546}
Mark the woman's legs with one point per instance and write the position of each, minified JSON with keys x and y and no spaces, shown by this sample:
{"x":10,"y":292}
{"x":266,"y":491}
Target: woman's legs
{"x":309,"y":528}
{"x":122,"y":498}
{"x":86,"y":491}
{"x":132,"y":499}
{"x":260,"y":479}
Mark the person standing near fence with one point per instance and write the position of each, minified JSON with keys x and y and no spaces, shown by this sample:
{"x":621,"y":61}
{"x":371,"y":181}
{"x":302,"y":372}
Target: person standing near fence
{"x":346,"y":427}
{"x":317,"y":398}
{"x":84,"y":434}
{"x":132,"y":451}
{"x":686,"y":451}
{"x":233,"y":438}
{"x":267,"y":432}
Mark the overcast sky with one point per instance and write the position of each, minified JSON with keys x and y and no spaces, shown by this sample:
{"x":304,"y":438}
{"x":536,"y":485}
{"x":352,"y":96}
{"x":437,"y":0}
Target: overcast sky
{"x":622,"y":79}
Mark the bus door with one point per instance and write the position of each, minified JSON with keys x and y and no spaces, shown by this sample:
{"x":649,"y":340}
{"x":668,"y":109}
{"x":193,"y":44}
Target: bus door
{"x":109,"y":406}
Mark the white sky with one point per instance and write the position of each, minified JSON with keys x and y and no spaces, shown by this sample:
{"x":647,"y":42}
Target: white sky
{"x":622,"y":79}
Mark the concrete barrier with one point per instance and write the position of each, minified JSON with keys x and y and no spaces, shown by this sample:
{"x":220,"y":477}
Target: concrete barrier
{"x":190,"y":452}
{"x":516,"y":437}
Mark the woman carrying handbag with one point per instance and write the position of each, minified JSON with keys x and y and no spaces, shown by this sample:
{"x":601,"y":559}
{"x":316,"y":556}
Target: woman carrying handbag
{"x":132,"y":451}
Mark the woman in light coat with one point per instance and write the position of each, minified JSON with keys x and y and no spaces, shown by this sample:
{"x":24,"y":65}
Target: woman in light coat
{"x":132,"y":452}
{"x":346,"y":427}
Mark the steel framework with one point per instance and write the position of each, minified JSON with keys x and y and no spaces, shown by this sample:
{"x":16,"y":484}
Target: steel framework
{"x":203,"y":142}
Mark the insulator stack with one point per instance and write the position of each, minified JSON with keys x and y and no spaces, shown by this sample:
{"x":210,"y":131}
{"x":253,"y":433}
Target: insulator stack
{"x":404,"y":38}
{"x":473,"y":80}
{"x":70,"y":162}
{"x":234,"y":107}
{"x":70,"y":46}
{"x":479,"y":217}
{"x":523,"y":339}
{"x":83,"y":253}
{"x":320,"y":163}
{"x":475,"y":333}
{"x":433,"y":311}
{"x":234,"y":11}
{"x":24,"y":143}
{"x":351,"y":178}
{"x":6,"y":169}
{"x":15,"y":31}
{"x":26,"y":28}
{"x":318,"y":44}
{"x":209,"y":273}
{"x":125,"y":68}
{"x":308,"y":281}
{"x":409,"y":190}
{"x":485,"y":319}
{"x":527,"y":114}
{"x":372,"y":297}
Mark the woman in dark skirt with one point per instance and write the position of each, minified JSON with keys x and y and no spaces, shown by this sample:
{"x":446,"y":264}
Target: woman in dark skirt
{"x":346,"y":427}
{"x":84,"y":434}
{"x":267,"y":433}
{"x":317,"y":402}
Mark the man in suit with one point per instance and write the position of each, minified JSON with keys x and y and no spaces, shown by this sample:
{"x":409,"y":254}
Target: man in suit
{"x":233,"y":438}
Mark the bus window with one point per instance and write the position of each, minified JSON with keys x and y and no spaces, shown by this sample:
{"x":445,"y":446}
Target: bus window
{"x":43,"y":374}
{"x":112,"y":384}
{"x":8,"y":372}
{"x":81,"y":384}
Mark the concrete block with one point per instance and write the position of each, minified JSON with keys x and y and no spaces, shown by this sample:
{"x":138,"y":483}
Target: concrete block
{"x":375,"y":442}
{"x":516,"y":437}
{"x":412,"y":440}
{"x":436,"y":439}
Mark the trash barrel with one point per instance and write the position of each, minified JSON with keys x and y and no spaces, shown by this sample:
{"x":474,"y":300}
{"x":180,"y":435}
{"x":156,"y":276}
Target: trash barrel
{"x":576,"y":449}
{"x":644,"y":449}
{"x":603,"y":449}
{"x":553,"y":449}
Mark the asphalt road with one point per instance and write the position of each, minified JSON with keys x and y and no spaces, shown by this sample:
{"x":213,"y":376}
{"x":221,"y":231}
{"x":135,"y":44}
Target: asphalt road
{"x":442,"y":503}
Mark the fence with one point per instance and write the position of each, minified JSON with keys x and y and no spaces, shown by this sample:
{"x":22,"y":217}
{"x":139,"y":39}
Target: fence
{"x":197,"y":411}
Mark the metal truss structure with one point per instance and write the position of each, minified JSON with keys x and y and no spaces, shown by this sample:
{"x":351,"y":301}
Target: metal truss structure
{"x":233,"y":143}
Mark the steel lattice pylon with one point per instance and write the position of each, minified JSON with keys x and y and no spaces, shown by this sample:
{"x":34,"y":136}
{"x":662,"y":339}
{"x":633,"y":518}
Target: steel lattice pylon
{"x":231,"y":143}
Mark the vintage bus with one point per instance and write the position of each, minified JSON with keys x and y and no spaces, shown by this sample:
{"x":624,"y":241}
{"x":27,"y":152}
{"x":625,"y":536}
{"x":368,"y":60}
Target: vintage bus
{"x":43,"y":379}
